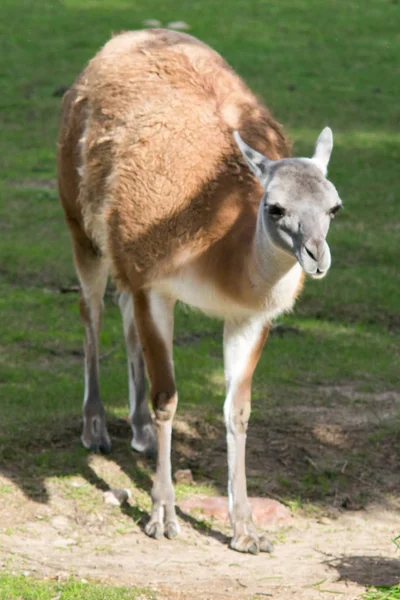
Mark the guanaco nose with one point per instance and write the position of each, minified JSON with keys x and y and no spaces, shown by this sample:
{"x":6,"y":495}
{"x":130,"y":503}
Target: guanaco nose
{"x":315,"y":249}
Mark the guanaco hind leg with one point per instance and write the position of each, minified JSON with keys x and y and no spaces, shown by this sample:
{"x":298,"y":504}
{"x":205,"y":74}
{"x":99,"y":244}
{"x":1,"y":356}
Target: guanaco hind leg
{"x":92,"y":270}
{"x":144,"y":439}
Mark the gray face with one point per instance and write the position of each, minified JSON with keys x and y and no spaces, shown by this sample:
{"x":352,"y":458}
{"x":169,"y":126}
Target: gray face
{"x":298,"y":203}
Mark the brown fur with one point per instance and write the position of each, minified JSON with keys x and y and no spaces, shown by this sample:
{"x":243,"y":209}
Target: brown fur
{"x":154,"y":186}
{"x":150,"y":124}
{"x":157,"y":358}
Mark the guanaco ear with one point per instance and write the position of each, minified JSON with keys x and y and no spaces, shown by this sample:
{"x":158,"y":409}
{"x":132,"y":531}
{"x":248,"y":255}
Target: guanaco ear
{"x":323,"y":149}
{"x":256,"y":161}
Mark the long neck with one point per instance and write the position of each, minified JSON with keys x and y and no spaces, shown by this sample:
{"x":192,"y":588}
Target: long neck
{"x":267,"y":263}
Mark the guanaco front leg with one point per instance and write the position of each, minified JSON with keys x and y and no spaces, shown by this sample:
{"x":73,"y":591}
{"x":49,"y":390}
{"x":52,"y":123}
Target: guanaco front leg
{"x":155,"y":319}
{"x":243,"y":343}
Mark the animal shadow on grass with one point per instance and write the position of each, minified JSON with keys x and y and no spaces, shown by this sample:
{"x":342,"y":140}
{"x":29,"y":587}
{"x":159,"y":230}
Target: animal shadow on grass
{"x":371,"y":571}
{"x":129,"y":461}
{"x":61,"y":455}
{"x":286,"y":459}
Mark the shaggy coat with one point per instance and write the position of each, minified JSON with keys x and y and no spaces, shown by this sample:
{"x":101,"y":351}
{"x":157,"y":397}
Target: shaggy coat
{"x":149,"y":172}
{"x":156,"y":190}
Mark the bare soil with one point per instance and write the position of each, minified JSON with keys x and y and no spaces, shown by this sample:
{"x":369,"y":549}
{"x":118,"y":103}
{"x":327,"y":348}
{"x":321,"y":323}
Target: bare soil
{"x":314,"y":557}
{"x":335,"y":465}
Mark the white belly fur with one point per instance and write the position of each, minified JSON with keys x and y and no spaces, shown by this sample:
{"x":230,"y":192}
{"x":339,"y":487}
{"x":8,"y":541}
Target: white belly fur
{"x":197,"y":293}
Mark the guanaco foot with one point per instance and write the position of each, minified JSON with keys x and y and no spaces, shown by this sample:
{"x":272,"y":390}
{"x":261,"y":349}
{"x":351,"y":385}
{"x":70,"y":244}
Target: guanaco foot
{"x":144,"y":439}
{"x":252,"y":544}
{"x":154,"y":529}
{"x":160,"y":524}
{"x":265,"y":544}
{"x":172,"y":529}
{"x":95,"y":435}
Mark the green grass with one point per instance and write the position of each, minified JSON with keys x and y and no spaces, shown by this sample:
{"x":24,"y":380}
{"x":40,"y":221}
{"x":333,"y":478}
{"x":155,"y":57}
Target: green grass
{"x":315,"y":63}
{"x":383,"y":593}
{"x":26,"y":588}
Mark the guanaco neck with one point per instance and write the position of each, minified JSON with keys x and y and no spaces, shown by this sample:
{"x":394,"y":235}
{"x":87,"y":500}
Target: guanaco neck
{"x":267,"y":263}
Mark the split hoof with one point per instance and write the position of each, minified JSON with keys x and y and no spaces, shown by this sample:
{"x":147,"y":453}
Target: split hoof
{"x":95,"y":435}
{"x":144,"y":441}
{"x":154,"y":529}
{"x":172,"y":530}
{"x":245,"y":543}
{"x":157,"y":529}
{"x":251,"y":544}
{"x":101,"y":445}
{"x":265,"y":544}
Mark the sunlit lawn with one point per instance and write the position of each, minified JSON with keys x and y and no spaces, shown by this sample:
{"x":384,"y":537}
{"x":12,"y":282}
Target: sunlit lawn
{"x":315,"y":64}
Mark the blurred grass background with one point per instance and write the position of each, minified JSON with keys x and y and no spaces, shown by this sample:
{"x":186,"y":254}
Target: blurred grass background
{"x":315,"y":64}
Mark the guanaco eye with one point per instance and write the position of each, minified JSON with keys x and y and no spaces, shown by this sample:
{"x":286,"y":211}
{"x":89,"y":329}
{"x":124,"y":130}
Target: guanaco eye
{"x":275,"y":211}
{"x":333,"y":212}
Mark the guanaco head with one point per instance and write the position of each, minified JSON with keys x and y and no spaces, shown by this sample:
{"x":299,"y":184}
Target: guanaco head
{"x":298,"y":202}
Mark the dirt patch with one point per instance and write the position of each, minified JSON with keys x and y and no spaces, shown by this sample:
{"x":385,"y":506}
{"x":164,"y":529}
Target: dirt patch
{"x":313,"y":558}
{"x":335,"y":465}
{"x":351,"y":391}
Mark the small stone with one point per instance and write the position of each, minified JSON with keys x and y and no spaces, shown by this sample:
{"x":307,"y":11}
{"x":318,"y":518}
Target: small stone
{"x":116,"y":497}
{"x":152,"y":23}
{"x":266,"y":512}
{"x":179,"y":25}
{"x":324,"y":521}
{"x":184,"y":476}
